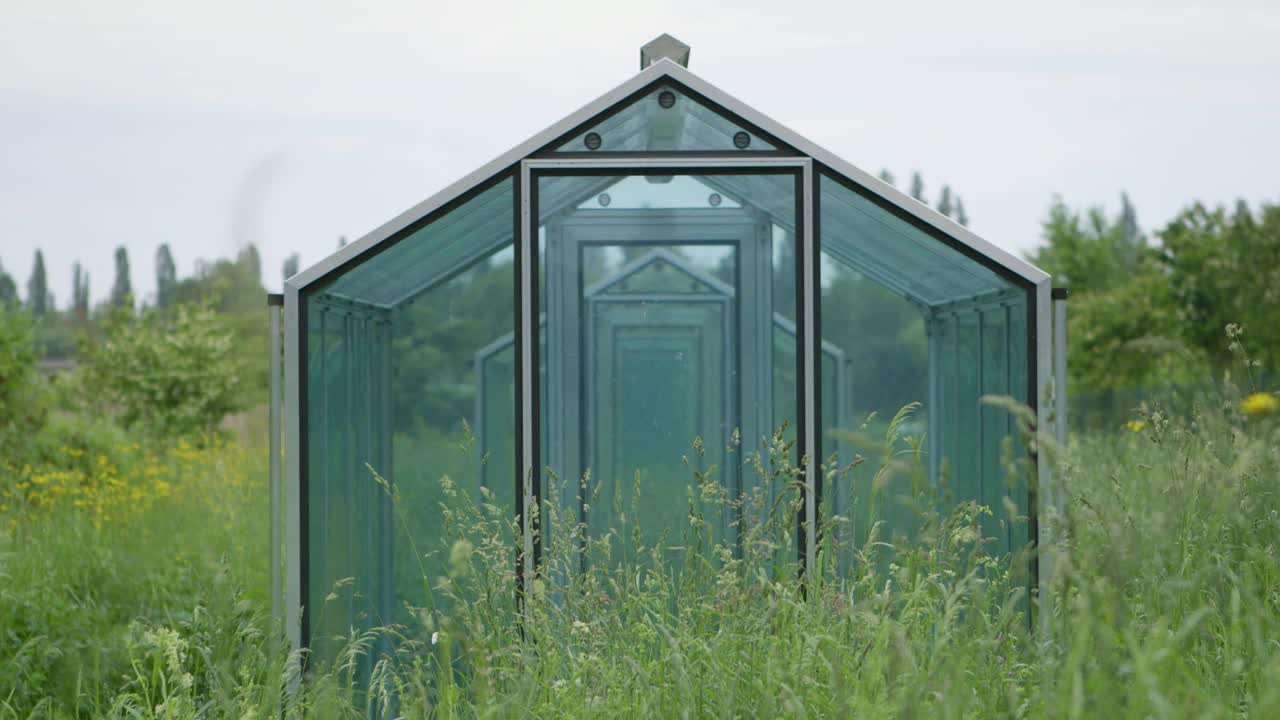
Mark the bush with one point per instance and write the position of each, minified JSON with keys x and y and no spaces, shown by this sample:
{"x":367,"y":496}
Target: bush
{"x":24,"y":397}
{"x":168,"y":376}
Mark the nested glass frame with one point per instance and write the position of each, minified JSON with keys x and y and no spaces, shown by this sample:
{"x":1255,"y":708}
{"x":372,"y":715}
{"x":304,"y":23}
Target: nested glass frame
{"x":525,"y":294}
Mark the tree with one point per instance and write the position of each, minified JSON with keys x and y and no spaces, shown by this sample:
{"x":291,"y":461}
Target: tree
{"x":291,"y":265}
{"x":80,"y":292}
{"x":166,"y":276}
{"x":1090,"y":252}
{"x":342,"y":241}
{"x":886,"y":176}
{"x":962,"y":217}
{"x":251,"y":262}
{"x":23,"y":400}
{"x":8,"y":289}
{"x":944,"y":201}
{"x":917,"y":187}
{"x":38,"y":298}
{"x":1142,"y":317}
{"x":122,"y":290}
{"x":168,"y":375}
{"x":1224,"y":268}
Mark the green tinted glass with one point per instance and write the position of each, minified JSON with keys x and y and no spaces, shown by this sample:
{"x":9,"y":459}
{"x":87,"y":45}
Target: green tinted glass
{"x":408,"y":375}
{"x":669,"y":319}
{"x":666,"y":120}
{"x":919,"y":322}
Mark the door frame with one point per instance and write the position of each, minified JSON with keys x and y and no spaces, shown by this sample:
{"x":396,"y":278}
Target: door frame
{"x":529,"y":461}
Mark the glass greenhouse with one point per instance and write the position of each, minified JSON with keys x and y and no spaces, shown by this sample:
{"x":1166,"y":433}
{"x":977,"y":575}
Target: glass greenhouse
{"x":665,"y":264}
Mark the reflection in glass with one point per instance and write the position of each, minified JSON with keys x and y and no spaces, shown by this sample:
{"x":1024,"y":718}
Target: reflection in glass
{"x":664,"y":316}
{"x":918,"y":322}
{"x":391,"y":385}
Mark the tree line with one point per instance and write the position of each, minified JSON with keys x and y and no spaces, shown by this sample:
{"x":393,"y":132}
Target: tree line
{"x":1149,"y":312}
{"x":1145,"y":311}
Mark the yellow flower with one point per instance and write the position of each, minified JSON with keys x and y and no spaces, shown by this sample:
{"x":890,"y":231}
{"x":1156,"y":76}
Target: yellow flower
{"x":1136,"y":425}
{"x":1259,"y":404}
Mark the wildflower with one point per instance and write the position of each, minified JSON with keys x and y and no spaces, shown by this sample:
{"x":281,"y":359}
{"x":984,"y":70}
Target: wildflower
{"x":1259,"y":404}
{"x":1136,"y":425}
{"x":435,"y":637}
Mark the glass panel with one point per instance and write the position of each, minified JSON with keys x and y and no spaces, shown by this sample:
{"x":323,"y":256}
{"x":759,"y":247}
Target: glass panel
{"x":666,"y":119}
{"x":896,"y":253}
{"x":919,"y":322}
{"x":882,"y":336}
{"x":396,"y":387}
{"x":659,"y":319}
{"x":995,"y":424}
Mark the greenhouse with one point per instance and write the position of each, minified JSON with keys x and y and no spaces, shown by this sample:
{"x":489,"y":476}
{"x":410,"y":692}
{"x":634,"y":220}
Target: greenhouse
{"x":666,"y":267}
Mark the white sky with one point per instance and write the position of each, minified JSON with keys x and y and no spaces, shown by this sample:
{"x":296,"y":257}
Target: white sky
{"x":207,"y":125}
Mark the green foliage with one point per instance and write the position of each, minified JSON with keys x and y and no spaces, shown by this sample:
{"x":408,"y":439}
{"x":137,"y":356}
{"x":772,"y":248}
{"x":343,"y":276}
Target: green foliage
{"x":166,"y":276}
{"x":435,"y":338}
{"x":888,"y":335}
{"x":1224,"y":268}
{"x":1154,"y":316}
{"x":233,"y":291}
{"x":1130,"y":336}
{"x":1091,"y":253}
{"x":38,"y":297}
{"x":8,"y":289}
{"x":169,"y":376}
{"x":1165,"y":584}
{"x":79,"y":293}
{"x":122,"y":290}
{"x":24,"y":400}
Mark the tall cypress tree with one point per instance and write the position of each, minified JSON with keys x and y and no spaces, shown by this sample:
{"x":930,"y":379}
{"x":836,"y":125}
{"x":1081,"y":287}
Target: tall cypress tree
{"x":291,"y":264}
{"x":38,"y":297}
{"x":917,"y":187}
{"x":252,"y":262}
{"x":8,"y":289}
{"x":886,"y":176}
{"x":962,"y":217}
{"x":122,"y":290}
{"x":79,"y":292}
{"x":166,"y":276}
{"x":944,"y":201}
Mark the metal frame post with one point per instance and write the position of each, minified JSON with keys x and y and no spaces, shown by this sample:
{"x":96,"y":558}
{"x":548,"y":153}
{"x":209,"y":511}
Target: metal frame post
{"x":1060,"y":365}
{"x":275,"y":302}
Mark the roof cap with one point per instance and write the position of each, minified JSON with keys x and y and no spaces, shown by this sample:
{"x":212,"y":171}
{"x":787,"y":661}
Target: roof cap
{"x":664,"y":46}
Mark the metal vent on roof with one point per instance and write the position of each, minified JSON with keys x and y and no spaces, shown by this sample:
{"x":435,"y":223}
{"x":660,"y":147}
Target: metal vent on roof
{"x":664,"y":46}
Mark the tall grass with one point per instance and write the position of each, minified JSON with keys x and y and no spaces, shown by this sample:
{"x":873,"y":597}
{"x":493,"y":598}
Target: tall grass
{"x":1166,"y":603}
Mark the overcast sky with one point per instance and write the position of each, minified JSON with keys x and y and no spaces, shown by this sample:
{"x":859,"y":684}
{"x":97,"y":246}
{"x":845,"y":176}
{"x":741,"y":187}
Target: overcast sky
{"x":209,"y":125}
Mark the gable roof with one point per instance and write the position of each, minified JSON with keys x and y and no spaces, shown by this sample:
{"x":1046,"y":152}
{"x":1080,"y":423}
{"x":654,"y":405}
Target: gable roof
{"x":603,"y":105}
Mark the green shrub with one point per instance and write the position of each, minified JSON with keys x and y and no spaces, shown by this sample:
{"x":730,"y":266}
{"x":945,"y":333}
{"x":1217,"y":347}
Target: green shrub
{"x":24,"y":397}
{"x":168,"y":376}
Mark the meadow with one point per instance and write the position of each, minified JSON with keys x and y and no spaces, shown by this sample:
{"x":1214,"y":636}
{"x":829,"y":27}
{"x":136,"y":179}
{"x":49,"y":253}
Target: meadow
{"x":133,"y":577}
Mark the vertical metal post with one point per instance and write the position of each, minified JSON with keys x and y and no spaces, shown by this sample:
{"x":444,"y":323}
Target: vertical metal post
{"x":812,"y":422}
{"x":1060,"y":365}
{"x":274,"y":304}
{"x":293,"y":506}
{"x":1046,"y":508}
{"x":527,"y":371}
